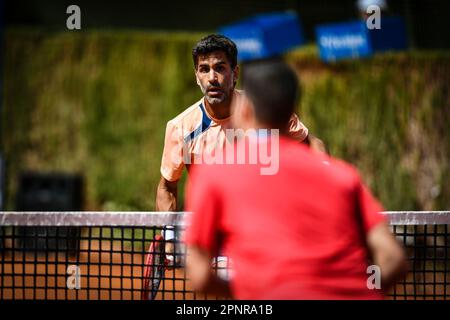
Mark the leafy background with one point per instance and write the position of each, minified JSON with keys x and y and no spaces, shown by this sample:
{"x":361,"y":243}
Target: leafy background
{"x":97,"y":102}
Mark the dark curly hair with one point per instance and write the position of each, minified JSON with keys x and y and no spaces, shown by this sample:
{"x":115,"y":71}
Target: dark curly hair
{"x":215,"y":42}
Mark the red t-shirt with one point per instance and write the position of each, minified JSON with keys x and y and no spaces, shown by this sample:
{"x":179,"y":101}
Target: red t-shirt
{"x":296,"y":234}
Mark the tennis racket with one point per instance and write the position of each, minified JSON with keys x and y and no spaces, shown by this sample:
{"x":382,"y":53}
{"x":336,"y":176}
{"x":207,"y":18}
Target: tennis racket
{"x":154,"y":268}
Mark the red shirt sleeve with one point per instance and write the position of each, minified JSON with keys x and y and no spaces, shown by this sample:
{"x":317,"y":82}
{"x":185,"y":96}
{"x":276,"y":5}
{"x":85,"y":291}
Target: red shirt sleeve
{"x":204,"y":201}
{"x":370,"y":208}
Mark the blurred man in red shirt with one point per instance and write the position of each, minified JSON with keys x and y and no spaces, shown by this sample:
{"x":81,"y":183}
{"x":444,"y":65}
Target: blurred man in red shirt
{"x":306,"y":230}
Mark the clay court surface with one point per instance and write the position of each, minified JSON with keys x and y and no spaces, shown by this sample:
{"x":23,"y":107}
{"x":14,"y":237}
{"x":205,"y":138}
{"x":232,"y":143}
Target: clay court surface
{"x":119,"y":276}
{"x":104,"y":276}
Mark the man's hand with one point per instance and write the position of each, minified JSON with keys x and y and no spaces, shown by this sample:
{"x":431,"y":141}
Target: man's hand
{"x":203,"y":279}
{"x":388,"y":254}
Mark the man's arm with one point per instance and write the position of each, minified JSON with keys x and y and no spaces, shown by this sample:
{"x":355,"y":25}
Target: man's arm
{"x":299,"y":132}
{"x":166,"y":195}
{"x":315,"y":143}
{"x":198,"y":268}
{"x":166,"y":200}
{"x":387,"y":253}
{"x":171,"y":168}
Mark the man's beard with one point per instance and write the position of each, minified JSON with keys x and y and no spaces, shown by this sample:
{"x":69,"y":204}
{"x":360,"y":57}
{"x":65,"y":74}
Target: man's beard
{"x":216,"y":100}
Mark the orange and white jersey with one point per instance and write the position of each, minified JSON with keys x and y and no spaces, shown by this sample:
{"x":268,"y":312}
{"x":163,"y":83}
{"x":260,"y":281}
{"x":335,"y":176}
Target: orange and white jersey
{"x":195,"y":132}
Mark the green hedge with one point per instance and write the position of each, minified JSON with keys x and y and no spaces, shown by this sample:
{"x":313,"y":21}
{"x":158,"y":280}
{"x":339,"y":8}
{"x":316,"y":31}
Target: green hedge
{"x":97,"y":103}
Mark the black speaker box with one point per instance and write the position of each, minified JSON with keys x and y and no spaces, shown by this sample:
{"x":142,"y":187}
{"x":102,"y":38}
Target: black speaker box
{"x":49,"y":192}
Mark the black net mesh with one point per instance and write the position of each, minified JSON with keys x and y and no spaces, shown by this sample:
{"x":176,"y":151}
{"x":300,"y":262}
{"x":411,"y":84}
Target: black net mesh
{"x":96,"y":258}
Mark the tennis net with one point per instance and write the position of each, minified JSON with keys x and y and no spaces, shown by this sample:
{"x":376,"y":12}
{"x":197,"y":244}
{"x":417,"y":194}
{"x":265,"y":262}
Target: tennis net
{"x":120,"y":256}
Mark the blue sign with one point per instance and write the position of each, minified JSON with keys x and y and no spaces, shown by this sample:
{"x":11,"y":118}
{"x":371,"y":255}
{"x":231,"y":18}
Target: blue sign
{"x":354,"y":39}
{"x":265,"y":36}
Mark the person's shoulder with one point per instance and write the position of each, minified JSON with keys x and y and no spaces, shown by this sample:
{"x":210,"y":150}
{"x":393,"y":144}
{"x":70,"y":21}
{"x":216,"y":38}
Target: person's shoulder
{"x":342,"y":171}
{"x":239,"y":96}
{"x":322,"y":162}
{"x":343,"y":166}
{"x":188,"y":116}
{"x":239,"y":92}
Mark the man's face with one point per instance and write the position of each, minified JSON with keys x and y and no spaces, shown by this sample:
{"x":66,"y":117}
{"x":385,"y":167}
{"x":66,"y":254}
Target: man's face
{"x":215,"y":77}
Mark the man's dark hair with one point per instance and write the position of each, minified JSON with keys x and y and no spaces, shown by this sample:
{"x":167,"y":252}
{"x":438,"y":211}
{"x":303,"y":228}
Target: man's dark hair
{"x":215,"y":42}
{"x":273,"y":88}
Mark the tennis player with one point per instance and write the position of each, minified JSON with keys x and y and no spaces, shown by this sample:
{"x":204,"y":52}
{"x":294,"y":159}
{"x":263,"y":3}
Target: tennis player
{"x":201,"y":128}
{"x":306,"y":232}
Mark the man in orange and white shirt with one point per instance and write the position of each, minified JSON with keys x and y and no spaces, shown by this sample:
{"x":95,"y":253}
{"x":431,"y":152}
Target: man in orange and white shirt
{"x":201,"y":128}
